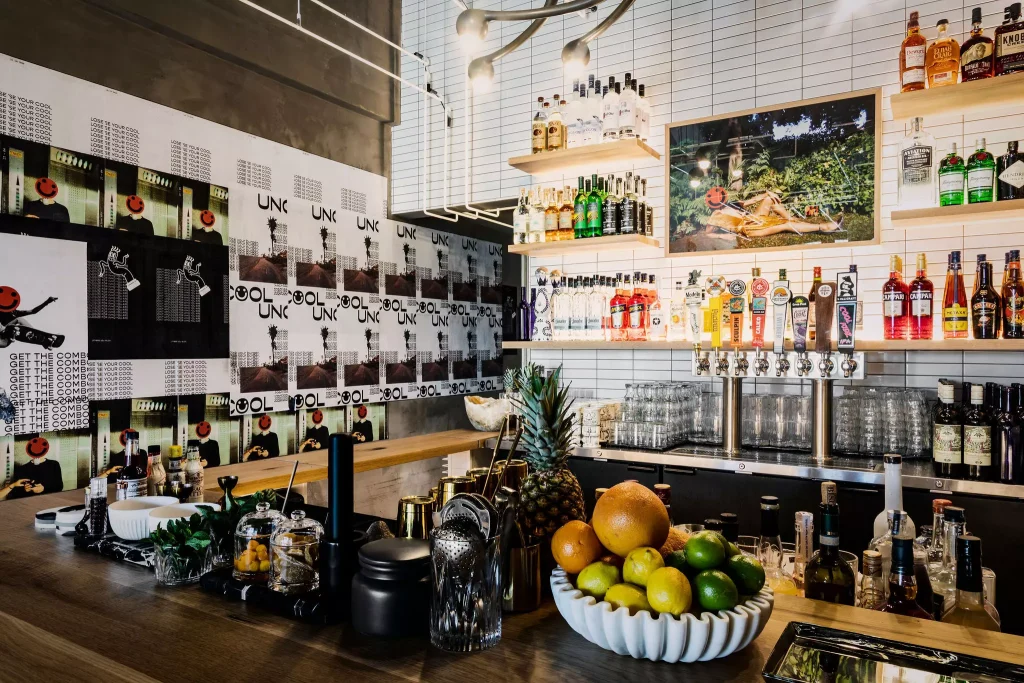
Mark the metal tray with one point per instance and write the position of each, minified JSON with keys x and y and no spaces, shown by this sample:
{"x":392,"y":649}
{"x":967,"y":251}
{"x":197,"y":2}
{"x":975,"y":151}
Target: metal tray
{"x":807,"y":653}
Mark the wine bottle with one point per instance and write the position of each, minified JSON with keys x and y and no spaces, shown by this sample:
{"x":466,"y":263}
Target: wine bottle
{"x":977,"y":438}
{"x":947,"y":435}
{"x":828,"y":577}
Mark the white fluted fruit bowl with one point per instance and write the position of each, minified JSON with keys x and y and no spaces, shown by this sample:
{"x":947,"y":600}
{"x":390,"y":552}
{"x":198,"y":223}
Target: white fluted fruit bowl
{"x":664,"y":638}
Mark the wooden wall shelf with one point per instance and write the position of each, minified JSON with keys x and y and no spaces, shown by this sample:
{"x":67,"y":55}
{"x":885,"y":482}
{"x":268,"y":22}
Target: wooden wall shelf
{"x":589,"y":156}
{"x":965,"y":213}
{"x":975,"y":96}
{"x":587,"y":245}
{"x":1015,"y":345}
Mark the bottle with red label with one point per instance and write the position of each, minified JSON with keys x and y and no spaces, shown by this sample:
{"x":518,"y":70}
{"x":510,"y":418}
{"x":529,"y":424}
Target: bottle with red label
{"x":619,"y":306}
{"x":637,"y":309}
{"x":895,"y":302}
{"x":922,"y":294}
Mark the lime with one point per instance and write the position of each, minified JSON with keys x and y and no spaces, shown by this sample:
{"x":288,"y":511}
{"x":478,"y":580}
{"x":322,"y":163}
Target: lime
{"x":668,"y":590}
{"x":705,"y":550}
{"x":676,"y":559}
{"x":596,"y":578}
{"x":640,"y":562}
{"x":629,"y":596}
{"x":731,"y":550}
{"x":746,"y":572}
{"x":716,"y":591}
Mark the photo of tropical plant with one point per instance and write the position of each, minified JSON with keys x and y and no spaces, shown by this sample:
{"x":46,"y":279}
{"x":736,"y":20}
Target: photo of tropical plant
{"x":791,"y":175}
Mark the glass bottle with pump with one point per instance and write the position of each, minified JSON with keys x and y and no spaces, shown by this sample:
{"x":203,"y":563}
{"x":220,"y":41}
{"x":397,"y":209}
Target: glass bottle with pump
{"x":947,"y":435}
{"x":970,"y":608}
{"x":1013,"y":299}
{"x":954,"y":301}
{"x":986,"y":313}
{"x":895,"y":302}
{"x":922,"y":293}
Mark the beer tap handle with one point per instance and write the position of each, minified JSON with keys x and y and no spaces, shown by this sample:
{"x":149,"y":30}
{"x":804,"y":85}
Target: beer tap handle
{"x":849,"y":365}
{"x":826,"y":365}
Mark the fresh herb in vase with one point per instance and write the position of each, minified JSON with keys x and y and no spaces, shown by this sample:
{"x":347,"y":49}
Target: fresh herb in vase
{"x":182,"y":550}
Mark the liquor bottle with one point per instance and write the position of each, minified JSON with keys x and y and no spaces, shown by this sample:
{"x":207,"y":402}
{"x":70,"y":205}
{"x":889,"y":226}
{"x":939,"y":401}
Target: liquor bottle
{"x":637,"y":308}
{"x":872,"y":588}
{"x":954,"y":301}
{"x":641,"y":208}
{"x":954,"y":525}
{"x":895,"y":527}
{"x":934,"y":547}
{"x":537,"y":217}
{"x":194,"y":475}
{"x":521,"y":219}
{"x":730,"y":526}
{"x":628,"y":110}
{"x":827,"y":576}
{"x":156,"y":475}
{"x":976,"y":54}
{"x":525,"y":315}
{"x":610,"y":112}
{"x":917,"y":168}
{"x":902,"y":583}
{"x":561,"y":308}
{"x":556,"y":126}
{"x":1006,"y":269}
{"x":579,"y":210}
{"x":947,"y":435}
{"x":1010,"y":172}
{"x":677,"y":313}
{"x":912,"y":55}
{"x":657,"y":315}
{"x":648,"y":209}
{"x":594,"y":115}
{"x":175,"y":465}
{"x":1007,"y":448}
{"x":596,"y":304}
{"x":619,"y":305}
{"x":1009,"y":39}
{"x":810,"y":299}
{"x":893,"y":496}
{"x":645,"y":114}
{"x":952,"y":178}
{"x":803,"y":528}
{"x":971,"y":608}
{"x":977,"y":438}
{"x":572,"y":119}
{"x":922,"y":294}
{"x":550,"y":216}
{"x":566,"y":229}
{"x":981,"y":174}
{"x":131,"y":481}
{"x":594,"y":208}
{"x":769,"y":543}
{"x":610,"y":210}
{"x":578,"y":310}
{"x":664,"y":493}
{"x":942,"y":61}
{"x":628,"y":207}
{"x":895,"y":302}
{"x":539,"y":139}
{"x":986,"y":313}
{"x":925,"y":593}
{"x":1013,"y":299}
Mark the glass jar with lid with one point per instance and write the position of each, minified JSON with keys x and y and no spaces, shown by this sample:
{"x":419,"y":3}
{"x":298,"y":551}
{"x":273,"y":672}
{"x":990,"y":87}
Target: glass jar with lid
{"x":295,"y":554}
{"x":252,"y":544}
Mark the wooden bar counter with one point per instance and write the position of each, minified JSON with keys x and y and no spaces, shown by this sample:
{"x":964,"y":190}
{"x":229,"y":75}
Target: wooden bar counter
{"x":67,"y":615}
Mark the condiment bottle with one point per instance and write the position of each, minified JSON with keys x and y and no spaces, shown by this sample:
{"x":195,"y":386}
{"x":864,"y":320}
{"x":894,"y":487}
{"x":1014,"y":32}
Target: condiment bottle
{"x":194,"y":475}
{"x":157,"y":473}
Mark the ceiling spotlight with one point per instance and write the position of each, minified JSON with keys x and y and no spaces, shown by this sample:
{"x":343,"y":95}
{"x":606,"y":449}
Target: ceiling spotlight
{"x":575,"y":58}
{"x":472,"y":29}
{"x":695,"y":178}
{"x":481,"y":74}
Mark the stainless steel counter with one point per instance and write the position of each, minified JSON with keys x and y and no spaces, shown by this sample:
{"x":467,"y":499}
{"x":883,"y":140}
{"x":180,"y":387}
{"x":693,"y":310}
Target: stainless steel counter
{"x":917,"y":474}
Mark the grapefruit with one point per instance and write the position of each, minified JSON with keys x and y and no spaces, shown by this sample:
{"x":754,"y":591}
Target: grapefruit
{"x":676,"y":541}
{"x":574,"y":546}
{"x":629,"y":515}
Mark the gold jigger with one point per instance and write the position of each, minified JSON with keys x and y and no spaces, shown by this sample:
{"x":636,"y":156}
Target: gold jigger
{"x":479,"y":475}
{"x":447,"y":487}
{"x":523,"y":586}
{"x":515,"y":473}
{"x":414,"y":517}
{"x":433,"y":498}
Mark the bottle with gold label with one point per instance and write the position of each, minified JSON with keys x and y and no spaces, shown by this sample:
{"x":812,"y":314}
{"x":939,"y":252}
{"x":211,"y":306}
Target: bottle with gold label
{"x":1013,"y":299}
{"x":540,"y":127}
{"x":556,"y":127}
{"x":976,"y":54}
{"x":954,"y":301}
{"x":942,"y":61}
{"x":912,"y":55}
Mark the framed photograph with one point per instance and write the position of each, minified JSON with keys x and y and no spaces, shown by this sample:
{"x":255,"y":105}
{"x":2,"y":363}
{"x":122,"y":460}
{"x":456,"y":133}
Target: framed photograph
{"x":804,"y":174}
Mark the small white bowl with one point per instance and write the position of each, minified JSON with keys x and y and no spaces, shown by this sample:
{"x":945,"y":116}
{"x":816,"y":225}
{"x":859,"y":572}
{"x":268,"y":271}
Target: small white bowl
{"x":128,"y":518}
{"x":162,"y":515}
{"x":664,"y":638}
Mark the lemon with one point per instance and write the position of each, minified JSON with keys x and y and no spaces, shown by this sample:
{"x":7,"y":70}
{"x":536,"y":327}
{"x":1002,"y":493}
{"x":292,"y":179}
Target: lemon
{"x":639,"y":564}
{"x":629,"y":596}
{"x":596,"y":578}
{"x":705,"y":550}
{"x":668,"y":590}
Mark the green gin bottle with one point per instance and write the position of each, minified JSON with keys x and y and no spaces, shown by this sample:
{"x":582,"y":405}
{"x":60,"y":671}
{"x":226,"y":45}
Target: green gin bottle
{"x":594,"y":214}
{"x":951,"y":179}
{"x":981,"y":174}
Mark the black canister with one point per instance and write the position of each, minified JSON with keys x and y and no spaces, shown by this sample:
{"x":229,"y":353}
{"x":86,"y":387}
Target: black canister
{"x":391,"y":592}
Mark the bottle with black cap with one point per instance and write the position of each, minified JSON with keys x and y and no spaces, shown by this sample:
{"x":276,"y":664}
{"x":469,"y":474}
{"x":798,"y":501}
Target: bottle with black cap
{"x":828,"y":577}
{"x":730,"y":526}
{"x":902,"y":583}
{"x":977,"y":438}
{"x":769,"y":544}
{"x":1006,"y":439}
{"x":971,"y":609}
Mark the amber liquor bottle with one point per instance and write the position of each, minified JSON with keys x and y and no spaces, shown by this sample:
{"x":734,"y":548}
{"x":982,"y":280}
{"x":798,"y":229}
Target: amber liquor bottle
{"x":943,"y":58}
{"x":902,"y":583}
{"x":954,"y":301}
{"x":912,"y":55}
{"x":976,"y":58}
{"x":985,"y":310}
{"x":810,"y":300}
{"x":1013,"y":299}
{"x":922,"y":295}
{"x":895,"y":302}
{"x":1009,"y":43}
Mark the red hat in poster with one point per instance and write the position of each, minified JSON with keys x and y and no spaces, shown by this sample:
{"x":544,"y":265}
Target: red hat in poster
{"x":203,"y":429}
{"x":47,"y":188}
{"x":361,"y":410}
{"x":37,"y":447}
{"x":10,"y":299}
{"x":207,"y":218}
{"x":135,"y":204}
{"x":265,"y":421}
{"x":318,"y":416}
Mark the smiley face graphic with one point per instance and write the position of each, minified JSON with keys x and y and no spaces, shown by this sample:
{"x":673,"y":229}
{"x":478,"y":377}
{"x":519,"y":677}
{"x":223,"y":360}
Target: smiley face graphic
{"x":203,"y":429}
{"x":134,"y":204}
{"x":37,"y":447}
{"x":265,"y":422}
{"x":207,"y":218}
{"x":10,"y":299}
{"x":47,"y":188}
{"x":318,"y":416}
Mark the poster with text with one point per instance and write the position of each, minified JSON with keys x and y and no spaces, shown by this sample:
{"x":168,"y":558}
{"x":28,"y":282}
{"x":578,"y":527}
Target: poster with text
{"x":48,"y":462}
{"x":432,"y":263}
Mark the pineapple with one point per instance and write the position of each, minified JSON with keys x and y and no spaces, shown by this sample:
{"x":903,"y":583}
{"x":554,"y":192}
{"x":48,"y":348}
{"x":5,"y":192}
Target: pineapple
{"x":550,"y":496}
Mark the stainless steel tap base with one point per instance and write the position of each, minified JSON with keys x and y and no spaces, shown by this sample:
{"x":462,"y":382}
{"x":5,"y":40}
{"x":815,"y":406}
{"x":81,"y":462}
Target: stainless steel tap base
{"x":732,"y":414}
{"x":821,"y":421}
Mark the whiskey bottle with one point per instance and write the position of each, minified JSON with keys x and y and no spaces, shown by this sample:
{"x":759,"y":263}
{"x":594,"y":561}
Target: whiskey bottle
{"x":952,"y":177}
{"x":1009,"y":43}
{"x":610,"y":220}
{"x":565,"y":224}
{"x":1010,"y":172}
{"x":922,"y":293}
{"x":579,"y":210}
{"x":895,"y":302}
{"x":981,"y":174}
{"x":977,"y":438}
{"x":916,"y":168}
{"x":810,"y":299}
{"x":902,"y":582}
{"x":827,"y":576}
{"x":912,"y":56}
{"x":971,"y":608}
{"x":942,"y":60}
{"x":976,"y":57}
{"x":954,"y":301}
{"x":986,"y":313}
{"x":556,"y":126}
{"x":594,"y":208}
{"x":539,"y":139}
{"x":1013,"y":299}
{"x":947,"y":435}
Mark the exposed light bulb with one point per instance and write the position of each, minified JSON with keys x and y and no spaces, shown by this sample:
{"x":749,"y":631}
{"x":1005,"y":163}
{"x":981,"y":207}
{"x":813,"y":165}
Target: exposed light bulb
{"x":481,"y":75}
{"x":575,"y":58}
{"x":704,"y":164}
{"x":694,"y":183}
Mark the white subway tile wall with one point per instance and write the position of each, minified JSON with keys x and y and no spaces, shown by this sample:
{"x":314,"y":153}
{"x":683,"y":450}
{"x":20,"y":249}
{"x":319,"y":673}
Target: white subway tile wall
{"x":700,"y":58}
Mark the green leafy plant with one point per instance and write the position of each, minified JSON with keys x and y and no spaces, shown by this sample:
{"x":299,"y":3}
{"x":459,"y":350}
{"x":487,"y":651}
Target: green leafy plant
{"x":184,"y":543}
{"x":222,"y":523}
